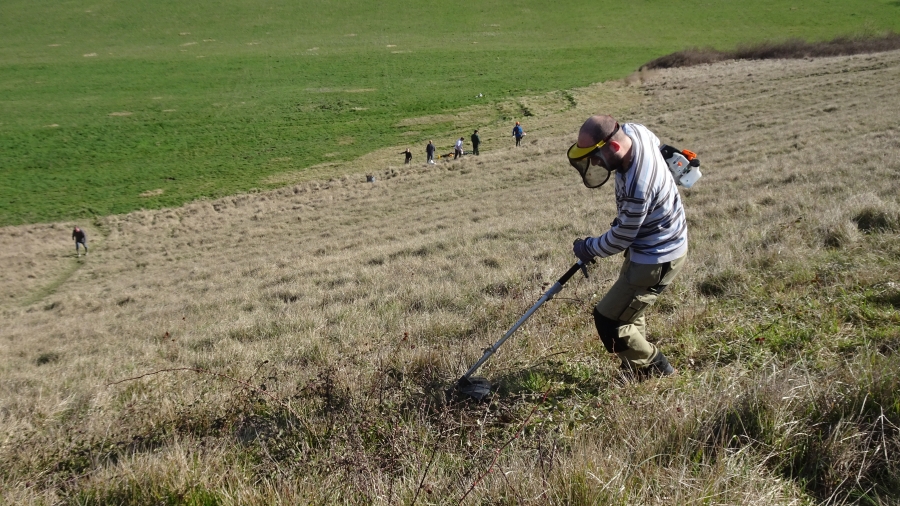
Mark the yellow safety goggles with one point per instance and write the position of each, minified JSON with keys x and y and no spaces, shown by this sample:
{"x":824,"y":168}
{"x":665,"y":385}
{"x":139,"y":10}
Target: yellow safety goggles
{"x":580,"y":158}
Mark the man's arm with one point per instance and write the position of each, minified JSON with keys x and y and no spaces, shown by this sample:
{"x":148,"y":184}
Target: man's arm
{"x":622,"y":231}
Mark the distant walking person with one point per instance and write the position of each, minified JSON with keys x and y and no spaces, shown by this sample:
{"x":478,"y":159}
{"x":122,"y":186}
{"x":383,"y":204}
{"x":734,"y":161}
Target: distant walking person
{"x":80,"y":238}
{"x":475,"y":142}
{"x":518,"y":133}
{"x":429,"y":152}
{"x":408,"y":154}
{"x":458,"y":149}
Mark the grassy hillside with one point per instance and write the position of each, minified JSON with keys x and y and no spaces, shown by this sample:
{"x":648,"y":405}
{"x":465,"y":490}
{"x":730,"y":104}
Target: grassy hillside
{"x":107,"y":107}
{"x":293,"y":346}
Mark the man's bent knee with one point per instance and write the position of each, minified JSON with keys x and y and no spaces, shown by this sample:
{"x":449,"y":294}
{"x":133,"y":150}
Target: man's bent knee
{"x":608,"y":330}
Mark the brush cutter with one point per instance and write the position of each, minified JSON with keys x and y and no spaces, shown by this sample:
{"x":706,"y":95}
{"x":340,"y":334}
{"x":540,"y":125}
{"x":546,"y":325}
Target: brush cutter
{"x":479,"y":388}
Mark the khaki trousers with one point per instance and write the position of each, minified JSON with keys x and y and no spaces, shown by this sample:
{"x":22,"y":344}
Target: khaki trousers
{"x":619,"y":316}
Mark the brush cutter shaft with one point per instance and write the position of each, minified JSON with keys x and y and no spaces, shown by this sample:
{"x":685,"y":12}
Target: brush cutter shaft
{"x":544,"y":298}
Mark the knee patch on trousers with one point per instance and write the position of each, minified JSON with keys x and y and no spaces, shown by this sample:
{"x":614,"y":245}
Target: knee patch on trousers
{"x":608,"y":330}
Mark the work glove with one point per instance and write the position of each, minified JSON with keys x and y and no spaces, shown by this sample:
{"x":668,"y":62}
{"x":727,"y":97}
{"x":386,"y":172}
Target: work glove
{"x":579,"y":247}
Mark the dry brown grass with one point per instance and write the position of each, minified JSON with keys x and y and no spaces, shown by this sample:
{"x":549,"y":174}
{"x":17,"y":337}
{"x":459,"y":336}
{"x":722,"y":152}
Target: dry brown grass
{"x":790,"y":49}
{"x":329,"y":316}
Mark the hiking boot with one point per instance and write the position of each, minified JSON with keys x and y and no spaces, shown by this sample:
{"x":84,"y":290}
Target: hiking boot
{"x":658,"y":368}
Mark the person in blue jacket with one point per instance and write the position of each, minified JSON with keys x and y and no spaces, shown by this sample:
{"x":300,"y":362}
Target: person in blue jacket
{"x":518,"y":133}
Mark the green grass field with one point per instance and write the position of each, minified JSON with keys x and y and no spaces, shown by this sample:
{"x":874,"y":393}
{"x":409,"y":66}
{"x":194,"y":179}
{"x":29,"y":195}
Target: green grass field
{"x":103,"y":101}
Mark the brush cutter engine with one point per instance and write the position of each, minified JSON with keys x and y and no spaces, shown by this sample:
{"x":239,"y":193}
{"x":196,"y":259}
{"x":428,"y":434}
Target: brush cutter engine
{"x":683,"y":165}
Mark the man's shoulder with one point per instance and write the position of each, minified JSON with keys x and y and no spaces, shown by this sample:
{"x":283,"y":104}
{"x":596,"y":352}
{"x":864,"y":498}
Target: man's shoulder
{"x":644,"y":140}
{"x":632,"y":129}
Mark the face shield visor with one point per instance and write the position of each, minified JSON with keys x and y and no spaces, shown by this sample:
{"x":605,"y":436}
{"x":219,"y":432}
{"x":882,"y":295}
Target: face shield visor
{"x":593,"y":176}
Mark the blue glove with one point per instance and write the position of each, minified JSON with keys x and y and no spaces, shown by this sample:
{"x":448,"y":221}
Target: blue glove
{"x":579,"y":247}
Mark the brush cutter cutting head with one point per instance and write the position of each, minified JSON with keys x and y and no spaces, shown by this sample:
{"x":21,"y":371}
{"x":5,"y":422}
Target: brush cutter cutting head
{"x":476,"y":387}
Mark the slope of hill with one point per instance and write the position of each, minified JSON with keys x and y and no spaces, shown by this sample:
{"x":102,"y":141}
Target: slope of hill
{"x":293,"y":346}
{"x":111,"y":107}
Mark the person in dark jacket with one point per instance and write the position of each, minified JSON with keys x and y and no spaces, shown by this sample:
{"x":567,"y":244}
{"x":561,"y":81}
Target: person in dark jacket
{"x":429,"y":152}
{"x":475,"y":142}
{"x":80,"y":239}
{"x":408,"y":154}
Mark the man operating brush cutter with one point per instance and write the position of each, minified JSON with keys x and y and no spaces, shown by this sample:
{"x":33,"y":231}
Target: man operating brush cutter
{"x":650,"y":229}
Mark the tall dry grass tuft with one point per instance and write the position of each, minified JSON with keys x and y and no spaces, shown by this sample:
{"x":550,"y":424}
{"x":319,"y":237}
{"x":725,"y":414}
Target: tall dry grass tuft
{"x":295,"y":346}
{"x":792,"y":48}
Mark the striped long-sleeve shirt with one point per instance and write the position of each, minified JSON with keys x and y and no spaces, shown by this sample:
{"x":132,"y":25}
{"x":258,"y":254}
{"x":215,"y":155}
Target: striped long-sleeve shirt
{"x":650,"y":220}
